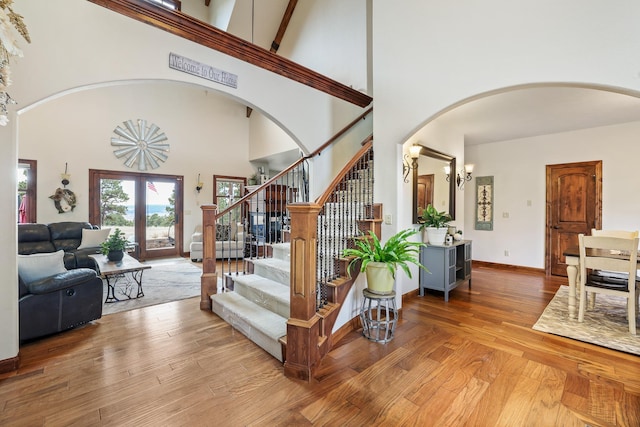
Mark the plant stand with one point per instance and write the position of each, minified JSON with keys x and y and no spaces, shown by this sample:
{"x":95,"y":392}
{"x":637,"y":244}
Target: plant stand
{"x":379,"y":316}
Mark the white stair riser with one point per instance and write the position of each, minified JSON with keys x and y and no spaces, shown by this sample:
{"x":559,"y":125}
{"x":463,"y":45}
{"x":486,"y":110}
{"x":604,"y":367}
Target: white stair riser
{"x":275,"y":274}
{"x":278,"y":302}
{"x":239,"y":316}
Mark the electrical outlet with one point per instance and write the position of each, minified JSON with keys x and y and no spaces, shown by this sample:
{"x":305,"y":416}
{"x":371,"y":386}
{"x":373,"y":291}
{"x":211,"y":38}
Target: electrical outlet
{"x":506,"y":252}
{"x":388,"y":219}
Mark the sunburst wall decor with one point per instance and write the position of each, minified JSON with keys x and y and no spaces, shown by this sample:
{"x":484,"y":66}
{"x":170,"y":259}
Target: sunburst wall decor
{"x":139,"y":144}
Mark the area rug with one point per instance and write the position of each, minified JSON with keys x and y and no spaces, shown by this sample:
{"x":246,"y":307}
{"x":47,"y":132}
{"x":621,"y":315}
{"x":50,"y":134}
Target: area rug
{"x":606,"y":325}
{"x":163,"y":282}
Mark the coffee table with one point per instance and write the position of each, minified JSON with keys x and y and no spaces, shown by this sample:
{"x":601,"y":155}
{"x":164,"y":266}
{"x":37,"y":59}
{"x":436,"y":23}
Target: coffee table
{"x":127,"y":274}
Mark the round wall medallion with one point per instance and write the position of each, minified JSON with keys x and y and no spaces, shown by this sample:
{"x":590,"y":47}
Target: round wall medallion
{"x":139,"y":144}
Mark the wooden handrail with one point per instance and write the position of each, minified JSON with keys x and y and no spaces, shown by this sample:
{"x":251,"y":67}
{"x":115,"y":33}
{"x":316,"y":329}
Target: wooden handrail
{"x":202,"y":33}
{"x":365,"y":147}
{"x":340,"y":133}
{"x":302,"y":159}
{"x":263,"y":186}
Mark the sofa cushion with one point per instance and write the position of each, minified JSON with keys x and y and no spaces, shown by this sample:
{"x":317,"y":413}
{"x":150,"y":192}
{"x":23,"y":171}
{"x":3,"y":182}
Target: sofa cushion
{"x":67,"y":235}
{"x":93,"y":238}
{"x":63,"y":280}
{"x":38,"y":266}
{"x":223,"y":232}
{"x":34,"y":238}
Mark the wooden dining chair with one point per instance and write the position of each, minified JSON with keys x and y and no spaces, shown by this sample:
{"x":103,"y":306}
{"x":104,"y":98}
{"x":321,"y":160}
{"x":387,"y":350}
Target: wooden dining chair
{"x":617,"y":257}
{"x":615,"y":233}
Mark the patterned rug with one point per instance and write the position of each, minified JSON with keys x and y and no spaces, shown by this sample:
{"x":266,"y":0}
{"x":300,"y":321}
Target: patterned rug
{"x":165,"y":281}
{"x":606,"y":325}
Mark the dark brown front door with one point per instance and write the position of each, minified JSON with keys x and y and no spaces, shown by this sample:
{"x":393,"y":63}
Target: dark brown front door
{"x":574,"y":206}
{"x":425,"y":192}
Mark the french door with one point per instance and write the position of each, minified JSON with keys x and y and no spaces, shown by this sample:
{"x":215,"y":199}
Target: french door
{"x":146,"y":207}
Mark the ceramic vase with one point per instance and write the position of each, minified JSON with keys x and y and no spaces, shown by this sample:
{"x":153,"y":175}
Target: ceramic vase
{"x":115,"y":256}
{"x":379,"y":278}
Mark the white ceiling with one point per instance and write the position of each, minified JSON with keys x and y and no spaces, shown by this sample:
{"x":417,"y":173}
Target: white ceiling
{"x":537,"y":111}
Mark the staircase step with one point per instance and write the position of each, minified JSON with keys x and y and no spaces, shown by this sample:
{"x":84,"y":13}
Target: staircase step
{"x":282,"y":251}
{"x":272,"y":268}
{"x":260,"y":325}
{"x":266,"y":293}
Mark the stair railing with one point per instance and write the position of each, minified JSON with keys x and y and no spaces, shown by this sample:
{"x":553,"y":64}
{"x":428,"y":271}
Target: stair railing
{"x":346,"y":207}
{"x":320,"y":231}
{"x":246,"y":229}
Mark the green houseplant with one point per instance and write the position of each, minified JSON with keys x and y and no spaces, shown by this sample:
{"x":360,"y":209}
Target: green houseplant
{"x":114,"y":246}
{"x":380,"y":262}
{"x":435,"y":224}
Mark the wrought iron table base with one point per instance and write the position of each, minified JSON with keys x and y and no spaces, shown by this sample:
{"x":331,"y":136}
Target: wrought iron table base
{"x":125,"y":290}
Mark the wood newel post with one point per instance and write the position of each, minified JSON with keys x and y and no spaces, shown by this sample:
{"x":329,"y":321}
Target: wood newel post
{"x":302,"y":353}
{"x":209,"y":278}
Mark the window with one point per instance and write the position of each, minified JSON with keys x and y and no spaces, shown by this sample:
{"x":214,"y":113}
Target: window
{"x":228,"y":190}
{"x":27,"y":172}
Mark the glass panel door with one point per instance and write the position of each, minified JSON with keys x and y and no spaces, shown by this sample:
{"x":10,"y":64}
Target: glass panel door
{"x":146,"y":207}
{"x":118,"y":206}
{"x":160,"y":233}
{"x":26,"y":191}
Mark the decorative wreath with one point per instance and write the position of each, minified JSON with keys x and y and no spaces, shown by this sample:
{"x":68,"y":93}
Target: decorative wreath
{"x":64,"y":200}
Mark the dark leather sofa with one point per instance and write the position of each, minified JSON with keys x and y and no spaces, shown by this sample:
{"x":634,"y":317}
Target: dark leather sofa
{"x":64,"y":300}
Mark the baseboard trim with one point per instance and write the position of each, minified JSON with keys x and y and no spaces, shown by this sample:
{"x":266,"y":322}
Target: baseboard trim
{"x":507,"y":267}
{"x":10,"y":365}
{"x":350,"y":326}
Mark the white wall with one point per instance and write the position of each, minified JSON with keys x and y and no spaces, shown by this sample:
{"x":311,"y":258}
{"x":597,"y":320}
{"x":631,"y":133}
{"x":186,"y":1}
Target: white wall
{"x":78,"y":45}
{"x":267,"y":138}
{"x":74,"y":46}
{"x":428,"y":56}
{"x":518,"y":168}
{"x":207,"y":132}
{"x":330,"y":37}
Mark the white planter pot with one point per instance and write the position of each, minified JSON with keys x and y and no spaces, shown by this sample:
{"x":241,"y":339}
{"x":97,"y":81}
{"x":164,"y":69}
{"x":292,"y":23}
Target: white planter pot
{"x":436,"y":235}
{"x":379,"y":278}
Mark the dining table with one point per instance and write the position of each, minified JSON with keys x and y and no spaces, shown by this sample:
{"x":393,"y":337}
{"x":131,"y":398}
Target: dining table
{"x":572,"y":259}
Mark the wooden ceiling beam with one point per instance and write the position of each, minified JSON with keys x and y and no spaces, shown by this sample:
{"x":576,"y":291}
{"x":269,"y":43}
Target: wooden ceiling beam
{"x":275,"y":44}
{"x":209,"y":36}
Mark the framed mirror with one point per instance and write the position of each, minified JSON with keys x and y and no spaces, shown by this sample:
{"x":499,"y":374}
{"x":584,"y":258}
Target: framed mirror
{"x":430,"y":185}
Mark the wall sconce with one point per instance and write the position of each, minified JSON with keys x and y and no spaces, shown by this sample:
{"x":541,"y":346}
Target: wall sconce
{"x":65,"y":176}
{"x":414,"y":153}
{"x":199,"y":185}
{"x":462,"y":176}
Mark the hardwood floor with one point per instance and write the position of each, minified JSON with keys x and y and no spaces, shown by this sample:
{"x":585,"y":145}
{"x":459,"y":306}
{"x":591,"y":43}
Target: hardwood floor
{"x":473,"y":361}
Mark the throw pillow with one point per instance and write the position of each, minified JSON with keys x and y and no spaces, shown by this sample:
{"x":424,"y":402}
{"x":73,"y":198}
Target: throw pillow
{"x":38,"y":266}
{"x":222,"y":232}
{"x":93,"y":238}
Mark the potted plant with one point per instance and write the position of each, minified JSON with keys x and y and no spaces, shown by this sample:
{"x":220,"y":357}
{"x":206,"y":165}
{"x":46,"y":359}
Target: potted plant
{"x":435,"y":223}
{"x":380,"y":262}
{"x":253,"y":179}
{"x":114,"y":246}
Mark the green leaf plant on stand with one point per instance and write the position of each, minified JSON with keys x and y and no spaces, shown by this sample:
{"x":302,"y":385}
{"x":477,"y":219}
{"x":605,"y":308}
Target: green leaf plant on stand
{"x":114,"y":246}
{"x":435,"y":224}
{"x":380,"y":262}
